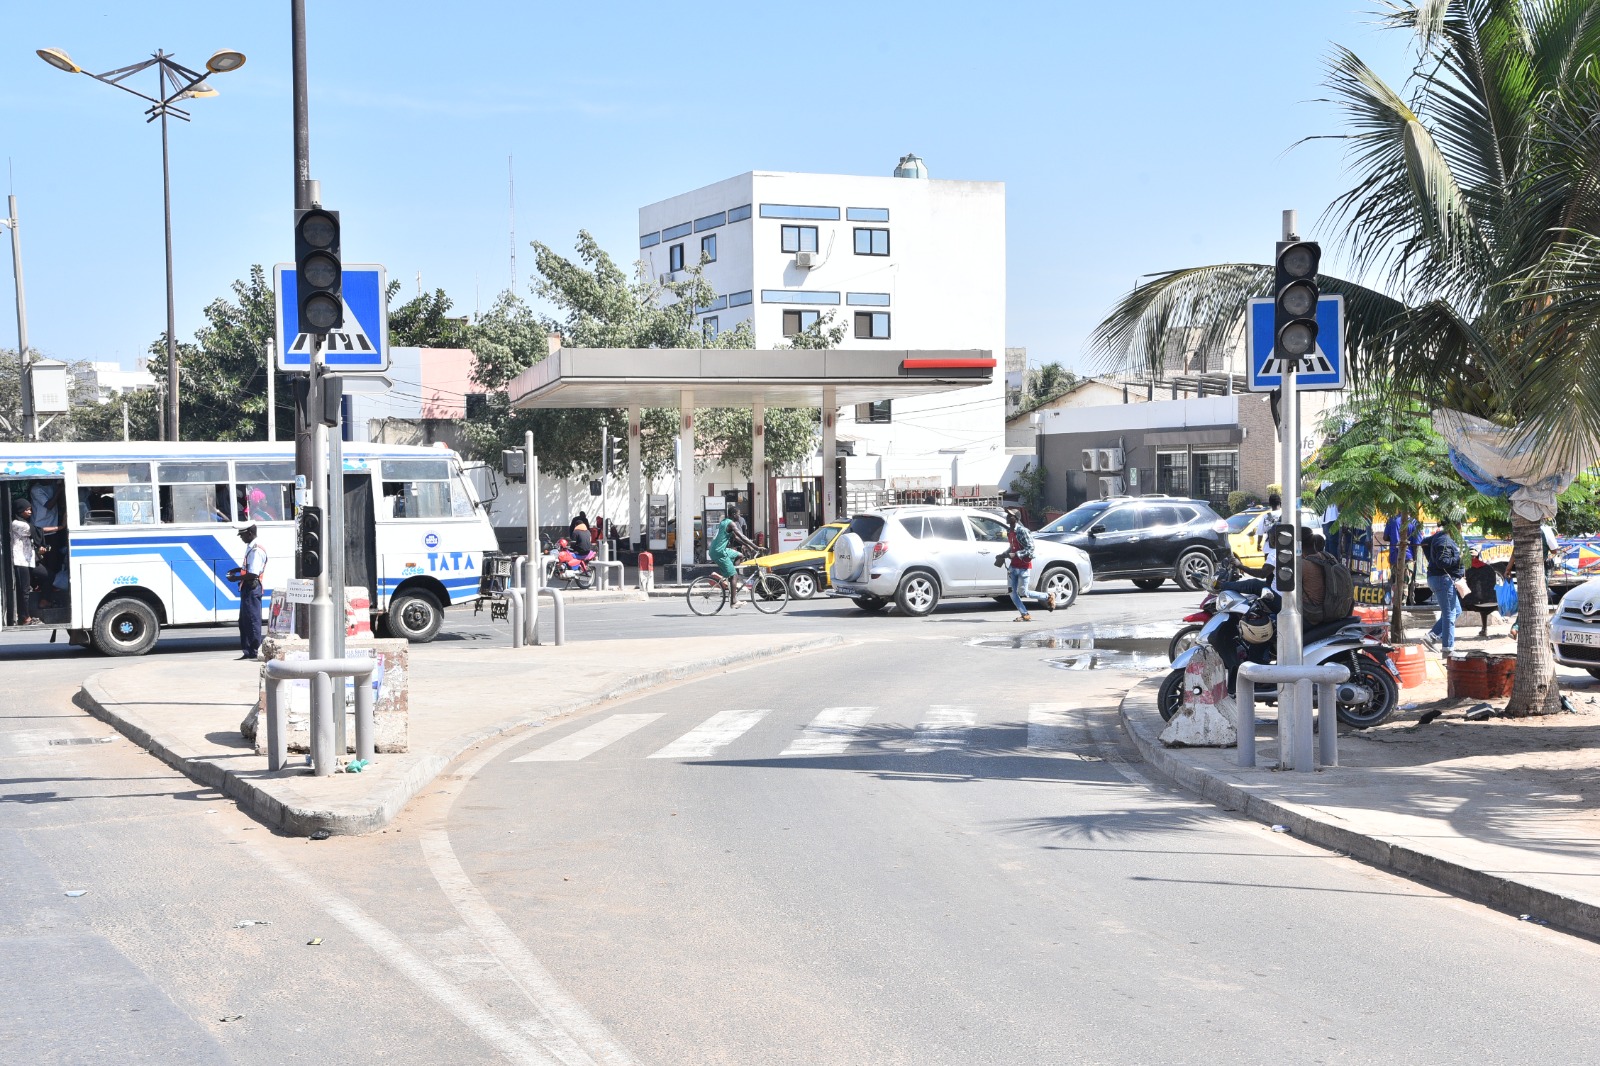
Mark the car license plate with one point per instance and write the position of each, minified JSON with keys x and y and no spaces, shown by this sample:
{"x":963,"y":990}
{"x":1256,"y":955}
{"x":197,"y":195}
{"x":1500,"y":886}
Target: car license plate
{"x":847,"y":590}
{"x":1581,"y":638}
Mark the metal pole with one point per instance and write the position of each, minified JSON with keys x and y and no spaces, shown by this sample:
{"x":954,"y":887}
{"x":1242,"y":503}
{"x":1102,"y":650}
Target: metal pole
{"x":333,"y":553}
{"x":30,"y":419}
{"x":170,"y":430}
{"x":677,"y":480}
{"x":530,"y":466}
{"x":302,"y":113}
{"x":636,"y":507}
{"x":272,"y":390}
{"x":1289,"y":638}
{"x":124,"y":421}
{"x":321,"y":613}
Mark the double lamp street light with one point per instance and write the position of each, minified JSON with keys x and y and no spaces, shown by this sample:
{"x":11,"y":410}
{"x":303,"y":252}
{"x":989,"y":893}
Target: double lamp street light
{"x":175,"y":82}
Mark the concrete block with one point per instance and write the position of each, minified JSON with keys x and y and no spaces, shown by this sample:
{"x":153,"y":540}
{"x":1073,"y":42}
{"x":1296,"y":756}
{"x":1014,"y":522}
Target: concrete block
{"x":391,"y":712}
{"x":1206,"y":719}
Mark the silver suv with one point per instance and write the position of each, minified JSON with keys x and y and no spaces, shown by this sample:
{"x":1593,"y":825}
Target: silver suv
{"x":917,"y":556}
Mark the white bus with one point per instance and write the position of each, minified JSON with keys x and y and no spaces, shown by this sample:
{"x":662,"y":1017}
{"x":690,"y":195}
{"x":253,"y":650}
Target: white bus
{"x":141,"y":536}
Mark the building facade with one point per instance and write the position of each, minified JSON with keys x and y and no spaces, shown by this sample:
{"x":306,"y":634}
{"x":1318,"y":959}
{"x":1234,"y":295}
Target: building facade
{"x":901,"y":262}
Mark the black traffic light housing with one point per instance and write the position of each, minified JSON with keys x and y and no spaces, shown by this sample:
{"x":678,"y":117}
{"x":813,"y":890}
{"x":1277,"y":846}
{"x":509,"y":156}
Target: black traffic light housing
{"x":614,"y":458}
{"x":1281,"y":539}
{"x":319,"y":271}
{"x":308,"y":542}
{"x":1294,"y":300}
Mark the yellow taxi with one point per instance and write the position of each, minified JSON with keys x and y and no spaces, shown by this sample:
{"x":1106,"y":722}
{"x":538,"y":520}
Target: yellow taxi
{"x":1247,"y":533}
{"x":806,"y":568}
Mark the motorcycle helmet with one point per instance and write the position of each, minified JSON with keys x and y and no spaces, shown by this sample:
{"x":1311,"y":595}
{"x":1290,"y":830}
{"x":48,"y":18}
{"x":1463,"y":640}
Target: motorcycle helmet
{"x":562,"y":543}
{"x":1257,"y":626}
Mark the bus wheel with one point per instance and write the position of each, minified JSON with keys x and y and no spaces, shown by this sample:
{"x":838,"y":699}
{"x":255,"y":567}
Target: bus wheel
{"x":125,"y":627}
{"x":415,"y":616}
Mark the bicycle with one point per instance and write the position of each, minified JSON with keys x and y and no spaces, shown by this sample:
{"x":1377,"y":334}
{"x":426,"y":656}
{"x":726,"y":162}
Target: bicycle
{"x":708,"y":594}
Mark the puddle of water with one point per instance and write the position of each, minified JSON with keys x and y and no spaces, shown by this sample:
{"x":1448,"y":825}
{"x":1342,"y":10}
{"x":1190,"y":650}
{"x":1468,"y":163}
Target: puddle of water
{"x":1092,"y":648}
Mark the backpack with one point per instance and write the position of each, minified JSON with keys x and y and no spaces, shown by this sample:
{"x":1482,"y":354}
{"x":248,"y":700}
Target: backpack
{"x":1338,"y":592}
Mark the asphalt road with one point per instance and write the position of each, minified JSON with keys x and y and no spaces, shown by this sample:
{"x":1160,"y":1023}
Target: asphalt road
{"x":930,"y":846}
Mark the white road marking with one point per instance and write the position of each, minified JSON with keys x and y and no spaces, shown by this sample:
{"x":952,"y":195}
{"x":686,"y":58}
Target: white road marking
{"x":830,"y":732}
{"x":586,"y":742}
{"x":580,"y":1040}
{"x":710,"y":736}
{"x":396,"y":953}
{"x":1050,"y":726}
{"x":944,"y":728}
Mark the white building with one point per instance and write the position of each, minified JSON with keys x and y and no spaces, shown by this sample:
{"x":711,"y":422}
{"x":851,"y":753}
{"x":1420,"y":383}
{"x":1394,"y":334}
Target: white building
{"x":904,"y":262}
{"x":108,"y":380}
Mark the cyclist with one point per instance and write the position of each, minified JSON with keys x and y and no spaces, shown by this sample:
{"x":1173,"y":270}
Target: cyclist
{"x":726,"y":556}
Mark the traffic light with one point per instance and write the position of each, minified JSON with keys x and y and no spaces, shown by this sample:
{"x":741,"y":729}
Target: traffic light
{"x":1282,"y":541}
{"x":319,"y":274}
{"x":1294,"y":301}
{"x":614,"y":458}
{"x":308,"y":542}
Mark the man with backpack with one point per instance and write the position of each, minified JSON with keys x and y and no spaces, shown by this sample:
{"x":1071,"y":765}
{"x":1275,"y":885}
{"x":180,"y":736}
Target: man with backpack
{"x":1444,"y":570}
{"x":1327,"y":592}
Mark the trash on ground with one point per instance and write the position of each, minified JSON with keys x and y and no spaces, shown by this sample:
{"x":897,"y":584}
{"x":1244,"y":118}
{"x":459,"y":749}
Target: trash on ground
{"x":314,"y":942}
{"x":231,"y":1018}
{"x":1427,"y":716}
{"x":321,"y":834}
{"x":245,"y":923}
{"x":1408,"y":706}
{"x":1566,"y":704}
{"x":1482,"y":712}
{"x":1531,"y":918}
{"x":1280,"y":829}
{"x":76,"y":892}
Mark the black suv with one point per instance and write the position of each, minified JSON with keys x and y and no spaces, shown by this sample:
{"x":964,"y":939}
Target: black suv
{"x":1146,"y":538}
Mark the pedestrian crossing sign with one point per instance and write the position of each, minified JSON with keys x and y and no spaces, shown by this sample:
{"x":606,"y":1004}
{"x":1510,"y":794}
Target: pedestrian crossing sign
{"x":361,"y":346}
{"x":1323,"y":369}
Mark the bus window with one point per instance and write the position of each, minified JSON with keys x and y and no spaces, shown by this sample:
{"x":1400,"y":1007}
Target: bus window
{"x":193,"y":493}
{"x":115,"y":494}
{"x":265,"y":491}
{"x":416,"y":488}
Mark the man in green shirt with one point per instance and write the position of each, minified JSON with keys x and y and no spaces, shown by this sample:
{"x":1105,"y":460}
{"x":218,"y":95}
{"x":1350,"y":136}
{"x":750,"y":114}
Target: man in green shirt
{"x":726,"y":555}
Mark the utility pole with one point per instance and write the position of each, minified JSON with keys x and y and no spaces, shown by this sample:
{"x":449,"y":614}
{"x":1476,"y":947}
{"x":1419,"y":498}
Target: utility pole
{"x":30,"y":420}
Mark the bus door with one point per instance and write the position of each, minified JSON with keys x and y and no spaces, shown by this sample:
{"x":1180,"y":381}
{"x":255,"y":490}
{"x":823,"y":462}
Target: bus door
{"x":360,"y":547}
{"x":48,"y":586}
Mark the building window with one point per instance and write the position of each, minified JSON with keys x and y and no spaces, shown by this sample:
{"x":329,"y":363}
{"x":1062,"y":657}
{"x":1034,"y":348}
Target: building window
{"x":867,"y":299}
{"x":798,"y":296}
{"x":477,"y":405}
{"x":650,"y":240}
{"x":710,"y":221}
{"x":1172,"y":473}
{"x":866,"y":214}
{"x":675,"y":257}
{"x":829,"y":214}
{"x":799,"y":321}
{"x":873,"y":412}
{"x":799,"y":238}
{"x":739,"y":299}
{"x":708,"y":248}
{"x":738,"y":214}
{"x":710,"y":328}
{"x":715,"y":305}
{"x":1215,"y":475}
{"x":872,"y":241}
{"x":872,"y":325}
{"x":672,"y":233}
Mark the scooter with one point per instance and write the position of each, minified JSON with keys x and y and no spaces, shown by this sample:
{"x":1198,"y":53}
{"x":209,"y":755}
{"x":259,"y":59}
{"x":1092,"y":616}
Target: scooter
{"x":1371,"y":695}
{"x":576,"y":570}
{"x":1190,"y":634}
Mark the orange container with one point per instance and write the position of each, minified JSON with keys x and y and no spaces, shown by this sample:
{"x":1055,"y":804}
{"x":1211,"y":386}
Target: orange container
{"x":1500,"y":672}
{"x":1372,"y":615}
{"x":1413,"y":667}
{"x":1467,"y":676}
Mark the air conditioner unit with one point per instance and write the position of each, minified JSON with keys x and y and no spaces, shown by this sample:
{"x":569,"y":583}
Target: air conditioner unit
{"x":807,"y":260}
{"x":1111,"y":459}
{"x":1091,"y":460}
{"x":1110,"y":486}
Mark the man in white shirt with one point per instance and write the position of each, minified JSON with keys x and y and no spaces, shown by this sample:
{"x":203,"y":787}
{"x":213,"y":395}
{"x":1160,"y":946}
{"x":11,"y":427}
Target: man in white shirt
{"x":250,"y":574}
{"x":22,"y":560}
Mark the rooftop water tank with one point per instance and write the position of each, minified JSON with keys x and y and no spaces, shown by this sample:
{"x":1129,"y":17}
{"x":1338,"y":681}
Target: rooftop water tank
{"x":911,"y":166}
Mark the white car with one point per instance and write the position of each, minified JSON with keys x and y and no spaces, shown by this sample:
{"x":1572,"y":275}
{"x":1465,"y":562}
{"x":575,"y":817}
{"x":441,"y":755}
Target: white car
{"x":1575,"y":629}
{"x":917,"y":556}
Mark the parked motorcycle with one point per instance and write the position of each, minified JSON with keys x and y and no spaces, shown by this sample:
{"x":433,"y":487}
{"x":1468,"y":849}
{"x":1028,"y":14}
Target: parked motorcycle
{"x":1371,"y":695}
{"x":1189,"y":635}
{"x":576,"y":570}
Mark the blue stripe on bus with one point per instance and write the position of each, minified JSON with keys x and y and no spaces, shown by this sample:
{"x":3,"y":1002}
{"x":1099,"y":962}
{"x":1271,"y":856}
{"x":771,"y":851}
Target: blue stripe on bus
{"x":205,"y":587}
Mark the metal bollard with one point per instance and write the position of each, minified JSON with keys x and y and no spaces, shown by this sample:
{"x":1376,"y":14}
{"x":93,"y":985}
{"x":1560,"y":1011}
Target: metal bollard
{"x":603,"y":568}
{"x":514,"y":614}
{"x":321,"y":673}
{"x":1302,"y":677}
{"x":1328,"y":723}
{"x":559,"y":601}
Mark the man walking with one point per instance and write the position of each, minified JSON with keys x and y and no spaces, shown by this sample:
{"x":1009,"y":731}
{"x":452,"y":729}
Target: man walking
{"x":1020,"y":555}
{"x":250,"y":574}
{"x":1444,"y":570}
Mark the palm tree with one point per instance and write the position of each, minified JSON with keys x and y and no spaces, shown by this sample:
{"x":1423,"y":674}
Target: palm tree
{"x":1475,"y":216}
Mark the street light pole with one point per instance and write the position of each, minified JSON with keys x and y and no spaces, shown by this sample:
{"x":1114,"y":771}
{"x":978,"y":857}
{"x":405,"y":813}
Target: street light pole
{"x":30,"y":420}
{"x":174,"y":82}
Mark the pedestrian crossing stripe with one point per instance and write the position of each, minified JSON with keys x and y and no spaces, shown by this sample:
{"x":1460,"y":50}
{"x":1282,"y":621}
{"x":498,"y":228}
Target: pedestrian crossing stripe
{"x":1051,"y":731}
{"x":1315,"y":363}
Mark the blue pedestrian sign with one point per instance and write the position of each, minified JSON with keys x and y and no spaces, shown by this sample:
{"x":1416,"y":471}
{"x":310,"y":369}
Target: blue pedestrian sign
{"x":361,"y":346}
{"x":1323,"y":369}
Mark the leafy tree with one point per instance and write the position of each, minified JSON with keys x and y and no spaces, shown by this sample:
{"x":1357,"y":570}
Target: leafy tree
{"x":1029,"y":486}
{"x":1383,"y":456}
{"x":1474,"y":210}
{"x":424,"y":322}
{"x":1045,"y":383}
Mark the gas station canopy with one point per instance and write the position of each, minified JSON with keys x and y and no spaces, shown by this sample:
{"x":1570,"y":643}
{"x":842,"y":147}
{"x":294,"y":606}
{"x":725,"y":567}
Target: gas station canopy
{"x":740,"y":377}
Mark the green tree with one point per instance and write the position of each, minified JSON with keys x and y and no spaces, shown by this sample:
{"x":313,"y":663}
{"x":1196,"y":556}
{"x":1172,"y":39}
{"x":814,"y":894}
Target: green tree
{"x":1383,"y":456}
{"x":425,"y":322}
{"x":1047,"y":382}
{"x":1474,"y":212}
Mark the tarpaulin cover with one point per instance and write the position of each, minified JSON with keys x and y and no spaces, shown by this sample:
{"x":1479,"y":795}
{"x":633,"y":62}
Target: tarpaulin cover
{"x":1500,"y":462}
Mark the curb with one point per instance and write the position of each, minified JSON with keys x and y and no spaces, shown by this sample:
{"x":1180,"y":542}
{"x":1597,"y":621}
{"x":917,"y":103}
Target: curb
{"x":377,"y":811}
{"x":1138,"y":710}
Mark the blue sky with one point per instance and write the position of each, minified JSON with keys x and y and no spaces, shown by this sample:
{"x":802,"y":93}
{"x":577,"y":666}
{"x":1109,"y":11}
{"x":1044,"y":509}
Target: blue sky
{"x":1131,"y":137}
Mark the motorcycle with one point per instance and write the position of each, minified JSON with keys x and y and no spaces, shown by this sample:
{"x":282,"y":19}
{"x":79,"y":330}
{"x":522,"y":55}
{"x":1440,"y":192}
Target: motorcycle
{"x":1370,"y":696}
{"x":1190,"y":634}
{"x":576,"y":570}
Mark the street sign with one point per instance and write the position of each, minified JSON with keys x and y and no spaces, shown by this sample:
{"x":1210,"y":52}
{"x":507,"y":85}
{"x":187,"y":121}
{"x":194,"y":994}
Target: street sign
{"x":1323,"y":369}
{"x":361,"y":346}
